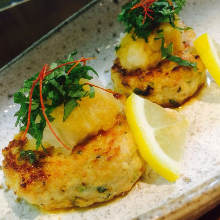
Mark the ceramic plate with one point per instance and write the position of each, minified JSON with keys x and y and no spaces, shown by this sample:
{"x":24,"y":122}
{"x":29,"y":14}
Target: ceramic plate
{"x":94,"y":31}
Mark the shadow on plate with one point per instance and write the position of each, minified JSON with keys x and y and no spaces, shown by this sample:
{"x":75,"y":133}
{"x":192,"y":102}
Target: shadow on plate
{"x":211,"y":94}
{"x":151,"y":177}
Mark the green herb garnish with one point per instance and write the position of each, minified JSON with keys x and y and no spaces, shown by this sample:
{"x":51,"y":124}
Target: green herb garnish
{"x":167,"y":53}
{"x":61,"y":85}
{"x":101,"y":189}
{"x":117,"y":47}
{"x":81,"y":188}
{"x":174,"y":103}
{"x":28,"y":155}
{"x":145,"y":92}
{"x":142,"y":17}
{"x":182,"y":62}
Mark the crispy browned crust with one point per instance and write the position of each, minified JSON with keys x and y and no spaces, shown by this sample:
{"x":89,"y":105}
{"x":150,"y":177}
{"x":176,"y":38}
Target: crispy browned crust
{"x":150,"y":73}
{"x":32,"y":173}
{"x":80,"y":148}
{"x":53,"y":182}
{"x":167,"y":81}
{"x":29,"y":173}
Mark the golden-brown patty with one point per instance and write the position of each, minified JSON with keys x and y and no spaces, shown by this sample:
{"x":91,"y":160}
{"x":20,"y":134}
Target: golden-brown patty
{"x":162,"y":81}
{"x":168,"y":84}
{"x":98,"y":170}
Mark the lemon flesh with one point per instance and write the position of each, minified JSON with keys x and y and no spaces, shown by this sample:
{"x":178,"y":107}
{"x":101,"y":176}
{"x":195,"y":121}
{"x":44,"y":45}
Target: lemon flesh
{"x":209,"y":52}
{"x":159,"y":134}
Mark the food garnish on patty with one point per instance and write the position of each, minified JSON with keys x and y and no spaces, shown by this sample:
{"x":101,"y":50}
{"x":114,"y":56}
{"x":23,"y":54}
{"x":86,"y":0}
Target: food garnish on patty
{"x":75,"y":147}
{"x":156,"y":58}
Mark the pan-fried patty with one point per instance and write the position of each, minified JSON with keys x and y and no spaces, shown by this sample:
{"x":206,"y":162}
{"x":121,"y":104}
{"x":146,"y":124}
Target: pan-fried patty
{"x":97,"y":170}
{"x":139,"y":67}
{"x":168,"y":84}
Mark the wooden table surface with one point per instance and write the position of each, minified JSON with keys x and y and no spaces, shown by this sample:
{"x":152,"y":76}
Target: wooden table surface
{"x":24,"y":24}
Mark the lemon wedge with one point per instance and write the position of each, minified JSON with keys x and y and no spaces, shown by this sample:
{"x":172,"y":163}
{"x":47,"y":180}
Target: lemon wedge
{"x":209,"y":52}
{"x":159,"y":134}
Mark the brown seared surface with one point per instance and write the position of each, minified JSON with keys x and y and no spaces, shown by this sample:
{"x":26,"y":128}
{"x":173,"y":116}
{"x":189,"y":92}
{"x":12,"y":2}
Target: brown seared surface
{"x":139,"y":67}
{"x":29,"y":172}
{"x":164,"y":84}
{"x":97,"y":170}
{"x":150,"y":72}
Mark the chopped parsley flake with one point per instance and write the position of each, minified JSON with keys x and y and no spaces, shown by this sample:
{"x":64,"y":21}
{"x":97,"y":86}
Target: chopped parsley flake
{"x":101,"y":189}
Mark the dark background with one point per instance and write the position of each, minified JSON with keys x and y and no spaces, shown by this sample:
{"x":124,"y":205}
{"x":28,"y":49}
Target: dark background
{"x":23,"y":24}
{"x":6,"y":3}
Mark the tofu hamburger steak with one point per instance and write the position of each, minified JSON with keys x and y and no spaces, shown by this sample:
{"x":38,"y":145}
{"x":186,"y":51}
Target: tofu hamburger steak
{"x":156,"y":57}
{"x":75,"y":147}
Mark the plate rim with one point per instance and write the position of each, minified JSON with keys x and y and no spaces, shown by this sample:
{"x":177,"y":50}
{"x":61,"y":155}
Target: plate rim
{"x":198,"y":200}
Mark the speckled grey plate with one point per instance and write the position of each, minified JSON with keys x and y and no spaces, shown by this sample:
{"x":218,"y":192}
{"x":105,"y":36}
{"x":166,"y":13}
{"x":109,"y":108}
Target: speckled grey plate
{"x":94,"y":31}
